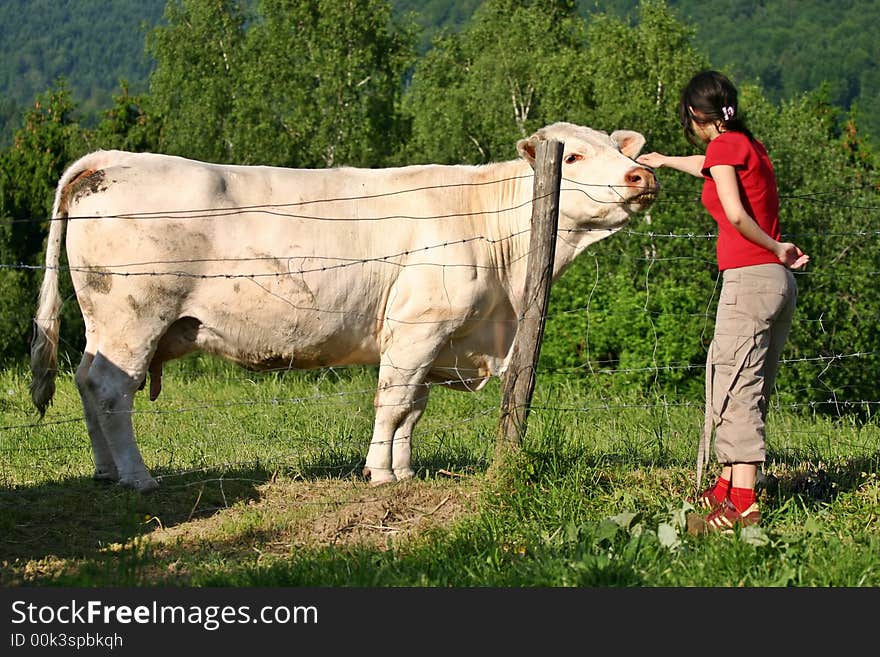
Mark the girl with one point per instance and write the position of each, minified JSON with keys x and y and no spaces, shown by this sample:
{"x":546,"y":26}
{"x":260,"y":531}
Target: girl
{"x":758,"y":292}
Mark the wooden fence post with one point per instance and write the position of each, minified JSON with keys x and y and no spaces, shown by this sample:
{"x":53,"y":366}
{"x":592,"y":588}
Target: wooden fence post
{"x":518,"y":382}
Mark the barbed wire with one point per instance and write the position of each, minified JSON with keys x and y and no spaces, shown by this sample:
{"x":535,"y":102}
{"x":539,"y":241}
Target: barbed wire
{"x":274,"y":209}
{"x":605,"y":406}
{"x":595,"y":368}
{"x":107,"y":269}
{"x":368,"y":392}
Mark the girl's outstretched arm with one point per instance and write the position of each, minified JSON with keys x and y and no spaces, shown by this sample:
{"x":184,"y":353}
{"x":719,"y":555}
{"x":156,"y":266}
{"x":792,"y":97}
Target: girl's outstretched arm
{"x":692,"y":164}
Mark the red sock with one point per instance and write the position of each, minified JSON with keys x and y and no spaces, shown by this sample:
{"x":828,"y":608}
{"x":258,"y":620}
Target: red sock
{"x":720,"y":489}
{"x":742,"y":498}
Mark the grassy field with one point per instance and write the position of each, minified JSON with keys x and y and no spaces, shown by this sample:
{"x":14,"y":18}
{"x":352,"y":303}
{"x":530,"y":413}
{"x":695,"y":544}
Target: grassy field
{"x":261,"y":486}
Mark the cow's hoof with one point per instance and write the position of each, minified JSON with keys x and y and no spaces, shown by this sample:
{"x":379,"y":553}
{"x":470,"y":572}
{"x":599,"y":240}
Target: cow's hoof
{"x":404,"y":473}
{"x":141,"y":483}
{"x":105,"y":474}
{"x":379,"y":476}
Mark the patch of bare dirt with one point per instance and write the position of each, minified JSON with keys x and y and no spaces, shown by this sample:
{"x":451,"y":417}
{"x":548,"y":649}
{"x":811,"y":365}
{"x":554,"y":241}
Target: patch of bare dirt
{"x":317,"y":514}
{"x":372,"y":516}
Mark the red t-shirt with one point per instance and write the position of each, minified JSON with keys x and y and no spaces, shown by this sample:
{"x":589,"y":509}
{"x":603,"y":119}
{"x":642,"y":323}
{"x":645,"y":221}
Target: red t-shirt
{"x":760,"y":198}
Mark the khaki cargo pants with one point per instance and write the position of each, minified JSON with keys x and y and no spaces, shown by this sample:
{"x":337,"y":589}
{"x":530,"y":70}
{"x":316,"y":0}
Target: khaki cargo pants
{"x":754,"y":317}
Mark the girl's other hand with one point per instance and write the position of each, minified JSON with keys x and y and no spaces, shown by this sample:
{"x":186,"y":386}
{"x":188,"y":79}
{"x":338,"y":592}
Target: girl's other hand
{"x":791,"y":256}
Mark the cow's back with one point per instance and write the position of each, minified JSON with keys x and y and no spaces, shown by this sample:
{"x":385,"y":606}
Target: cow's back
{"x":358,"y":212}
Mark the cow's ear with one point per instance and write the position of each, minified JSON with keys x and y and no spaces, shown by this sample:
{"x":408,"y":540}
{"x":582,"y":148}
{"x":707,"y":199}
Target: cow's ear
{"x":630,"y":142}
{"x":527,"y":148}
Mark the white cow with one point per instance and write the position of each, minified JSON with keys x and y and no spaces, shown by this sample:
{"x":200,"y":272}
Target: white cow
{"x":419,"y":269}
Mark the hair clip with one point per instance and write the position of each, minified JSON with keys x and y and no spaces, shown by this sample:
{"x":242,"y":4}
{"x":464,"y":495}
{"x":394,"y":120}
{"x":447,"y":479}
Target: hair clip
{"x":728,"y":112}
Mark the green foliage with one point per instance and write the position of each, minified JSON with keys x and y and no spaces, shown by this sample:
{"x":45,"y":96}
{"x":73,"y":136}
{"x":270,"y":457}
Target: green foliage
{"x":16,"y":291}
{"x":9,"y":115}
{"x":193,"y":87}
{"x":320,"y":84}
{"x":314,"y":83}
{"x":642,"y":313}
{"x":42,"y":147}
{"x":652,"y":288}
{"x":128,"y":125}
{"x":516,"y":67}
{"x":637,"y":72}
{"x":308,"y":83}
{"x":789,"y":48}
{"x":436,"y":16}
{"x":829,"y":207}
{"x":48,"y":139}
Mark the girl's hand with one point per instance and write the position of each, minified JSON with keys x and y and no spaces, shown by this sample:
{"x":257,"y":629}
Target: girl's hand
{"x":791,"y":256}
{"x":653,"y":160}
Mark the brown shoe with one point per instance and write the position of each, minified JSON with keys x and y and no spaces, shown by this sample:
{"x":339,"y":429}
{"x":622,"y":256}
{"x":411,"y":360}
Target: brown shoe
{"x":723,"y":519}
{"x":707,"y":500}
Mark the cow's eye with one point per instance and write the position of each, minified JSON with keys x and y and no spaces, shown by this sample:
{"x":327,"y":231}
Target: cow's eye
{"x":571,"y":158}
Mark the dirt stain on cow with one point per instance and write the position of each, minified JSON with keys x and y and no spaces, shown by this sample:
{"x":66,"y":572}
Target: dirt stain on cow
{"x":88,"y":182}
{"x":156,"y":300}
{"x":133,"y":304}
{"x":99,"y":279}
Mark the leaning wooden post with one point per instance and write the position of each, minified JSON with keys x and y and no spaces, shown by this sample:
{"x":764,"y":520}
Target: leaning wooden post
{"x":518,"y":382}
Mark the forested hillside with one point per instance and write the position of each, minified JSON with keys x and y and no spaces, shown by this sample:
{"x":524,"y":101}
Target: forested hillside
{"x":788,"y":46}
{"x":92,"y":43}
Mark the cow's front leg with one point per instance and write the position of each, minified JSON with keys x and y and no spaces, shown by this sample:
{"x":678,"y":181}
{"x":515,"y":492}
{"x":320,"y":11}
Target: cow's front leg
{"x":401,"y":446}
{"x":400,"y":400}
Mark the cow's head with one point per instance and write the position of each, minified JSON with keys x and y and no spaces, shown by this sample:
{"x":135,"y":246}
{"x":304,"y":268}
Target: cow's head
{"x":602,"y":185}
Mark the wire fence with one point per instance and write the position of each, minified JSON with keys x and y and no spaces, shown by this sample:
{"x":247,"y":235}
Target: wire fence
{"x":358,"y":401}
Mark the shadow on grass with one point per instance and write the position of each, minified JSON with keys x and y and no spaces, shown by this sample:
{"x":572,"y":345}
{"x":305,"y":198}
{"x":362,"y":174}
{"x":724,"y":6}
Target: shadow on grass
{"x":78,"y":517}
{"x":817,"y":481}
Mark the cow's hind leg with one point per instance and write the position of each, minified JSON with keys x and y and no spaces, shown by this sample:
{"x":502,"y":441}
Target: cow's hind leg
{"x":110,"y":387}
{"x":105,"y":466}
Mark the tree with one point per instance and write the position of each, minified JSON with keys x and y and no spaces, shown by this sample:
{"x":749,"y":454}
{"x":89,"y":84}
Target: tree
{"x":321,"y":84}
{"x":127,"y":125}
{"x":642,"y":303}
{"x":630,"y":305}
{"x":637,"y":72}
{"x":44,"y":145}
{"x":194,"y":85}
{"x":519,"y":65}
{"x":829,"y":191}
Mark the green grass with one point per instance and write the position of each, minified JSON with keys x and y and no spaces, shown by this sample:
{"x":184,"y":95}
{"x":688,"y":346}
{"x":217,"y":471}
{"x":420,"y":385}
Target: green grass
{"x":261,"y":486}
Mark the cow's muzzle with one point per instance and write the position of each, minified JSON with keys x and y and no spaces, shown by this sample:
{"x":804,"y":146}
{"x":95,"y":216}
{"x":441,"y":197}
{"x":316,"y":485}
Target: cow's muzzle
{"x":642,"y":185}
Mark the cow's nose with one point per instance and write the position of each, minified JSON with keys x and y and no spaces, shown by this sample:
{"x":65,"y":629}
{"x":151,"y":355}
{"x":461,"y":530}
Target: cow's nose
{"x":641,"y":178}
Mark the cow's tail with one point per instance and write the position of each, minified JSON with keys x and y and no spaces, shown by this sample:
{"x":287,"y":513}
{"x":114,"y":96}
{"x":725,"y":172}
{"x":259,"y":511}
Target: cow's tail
{"x":47,"y":322}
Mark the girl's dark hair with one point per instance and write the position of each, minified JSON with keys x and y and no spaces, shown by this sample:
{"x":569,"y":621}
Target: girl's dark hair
{"x":713,"y":98}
